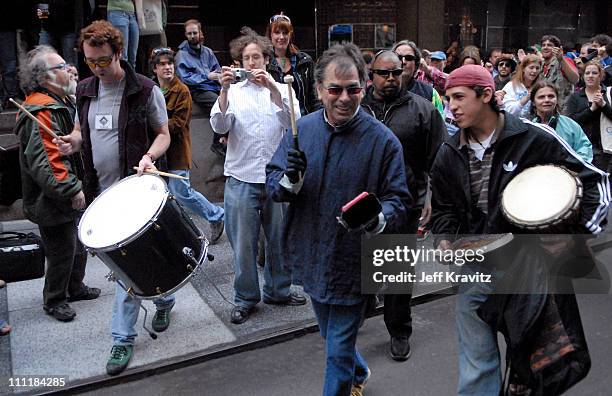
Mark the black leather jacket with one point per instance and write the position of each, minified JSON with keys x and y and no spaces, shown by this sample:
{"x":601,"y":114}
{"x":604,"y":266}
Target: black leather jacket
{"x":304,"y":74}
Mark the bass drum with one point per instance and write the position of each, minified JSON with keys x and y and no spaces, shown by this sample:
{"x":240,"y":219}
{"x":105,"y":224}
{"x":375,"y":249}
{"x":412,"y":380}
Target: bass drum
{"x":144,"y":236}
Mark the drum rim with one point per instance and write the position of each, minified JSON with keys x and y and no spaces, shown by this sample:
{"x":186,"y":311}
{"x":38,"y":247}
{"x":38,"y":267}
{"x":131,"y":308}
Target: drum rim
{"x":138,"y":233}
{"x":542,"y":225}
{"x":205,"y":244}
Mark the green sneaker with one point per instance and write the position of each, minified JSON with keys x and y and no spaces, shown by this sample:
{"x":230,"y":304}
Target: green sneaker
{"x":119,"y":358}
{"x":161,"y":319}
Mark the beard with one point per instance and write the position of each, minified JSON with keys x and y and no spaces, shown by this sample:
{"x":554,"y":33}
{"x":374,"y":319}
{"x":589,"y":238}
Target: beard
{"x":67,"y":90}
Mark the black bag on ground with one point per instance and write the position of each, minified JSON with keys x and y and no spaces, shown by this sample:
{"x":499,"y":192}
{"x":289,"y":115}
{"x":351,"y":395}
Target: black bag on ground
{"x":22,"y":256}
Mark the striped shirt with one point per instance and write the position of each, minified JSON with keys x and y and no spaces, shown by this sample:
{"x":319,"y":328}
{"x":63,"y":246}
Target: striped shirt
{"x":480,"y":157}
{"x":256,"y":126}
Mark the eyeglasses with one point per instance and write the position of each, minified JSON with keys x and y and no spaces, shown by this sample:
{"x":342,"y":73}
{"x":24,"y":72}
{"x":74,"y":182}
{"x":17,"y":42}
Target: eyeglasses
{"x":406,"y":58}
{"x":61,"y":66}
{"x":163,"y":50}
{"x":386,"y":73}
{"x":280,"y":17}
{"x":503,"y":64}
{"x":337,"y":91}
{"x":100,"y":62}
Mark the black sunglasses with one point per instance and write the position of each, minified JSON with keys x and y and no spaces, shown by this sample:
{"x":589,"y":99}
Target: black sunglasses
{"x":337,"y":91}
{"x":386,"y":73}
{"x":163,"y":50}
{"x":504,"y":64}
{"x":406,"y":58}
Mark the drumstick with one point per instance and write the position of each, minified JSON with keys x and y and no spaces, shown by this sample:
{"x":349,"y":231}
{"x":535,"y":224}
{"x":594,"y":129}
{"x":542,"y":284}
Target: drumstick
{"x":289,"y":80}
{"x":160,"y":173}
{"x":43,"y":126}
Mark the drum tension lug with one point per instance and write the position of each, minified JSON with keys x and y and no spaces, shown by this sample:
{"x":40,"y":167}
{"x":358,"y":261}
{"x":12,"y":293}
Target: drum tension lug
{"x":123,"y":252}
{"x":189,"y":268}
{"x":156,"y":226}
{"x":111,"y":277}
{"x":158,"y":290}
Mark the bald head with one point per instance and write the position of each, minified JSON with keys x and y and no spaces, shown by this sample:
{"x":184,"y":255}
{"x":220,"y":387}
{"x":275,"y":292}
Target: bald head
{"x":386,"y":76}
{"x":387,"y":57}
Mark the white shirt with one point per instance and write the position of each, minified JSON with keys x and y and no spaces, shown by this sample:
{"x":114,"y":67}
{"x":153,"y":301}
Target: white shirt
{"x":512,"y":98}
{"x":256,"y":126}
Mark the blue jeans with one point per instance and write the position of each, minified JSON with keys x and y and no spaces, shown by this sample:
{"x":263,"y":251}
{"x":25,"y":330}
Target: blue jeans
{"x":247,"y":208}
{"x":128,"y":26}
{"x":479,"y":358}
{"x":192,"y":199}
{"x":8,"y":65}
{"x":339,"y":325}
{"x":66,"y":41}
{"x":125,"y":315}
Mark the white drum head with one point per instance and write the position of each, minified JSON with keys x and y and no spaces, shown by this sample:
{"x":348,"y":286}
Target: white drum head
{"x":539,"y":195}
{"x":122,"y":210}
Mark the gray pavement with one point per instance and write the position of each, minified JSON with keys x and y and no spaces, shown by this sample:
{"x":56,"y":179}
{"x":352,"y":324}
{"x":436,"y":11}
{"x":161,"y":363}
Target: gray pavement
{"x":296,"y":367}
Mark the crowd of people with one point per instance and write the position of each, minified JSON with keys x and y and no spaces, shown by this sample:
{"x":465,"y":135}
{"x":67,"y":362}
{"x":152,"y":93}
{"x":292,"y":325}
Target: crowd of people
{"x":435,"y":142}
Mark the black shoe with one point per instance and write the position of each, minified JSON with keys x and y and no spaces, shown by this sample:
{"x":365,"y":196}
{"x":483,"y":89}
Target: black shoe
{"x":62,"y":312}
{"x":399,"y":348}
{"x":240,"y":314}
{"x":161,"y":319}
{"x":88,"y":293}
{"x":294,"y":299}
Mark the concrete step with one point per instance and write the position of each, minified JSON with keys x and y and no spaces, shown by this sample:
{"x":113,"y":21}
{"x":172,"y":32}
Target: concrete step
{"x":7,"y":121}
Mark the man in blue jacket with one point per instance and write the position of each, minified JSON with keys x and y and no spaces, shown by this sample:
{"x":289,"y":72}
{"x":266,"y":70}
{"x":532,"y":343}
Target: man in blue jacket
{"x":348,"y":152}
{"x":198,"y":68}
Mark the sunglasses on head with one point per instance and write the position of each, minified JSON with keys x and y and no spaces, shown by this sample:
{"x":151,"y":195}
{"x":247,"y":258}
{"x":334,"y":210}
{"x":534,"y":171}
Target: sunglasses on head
{"x":100,"y":62}
{"x":164,"y":50}
{"x":406,"y":58}
{"x":280,"y":17}
{"x":386,"y":73}
{"x":61,"y":66}
{"x":337,"y":91}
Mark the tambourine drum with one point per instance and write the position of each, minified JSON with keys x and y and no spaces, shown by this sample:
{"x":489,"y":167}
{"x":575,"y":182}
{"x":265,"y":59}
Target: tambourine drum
{"x":541,"y":197}
{"x":144,"y":236}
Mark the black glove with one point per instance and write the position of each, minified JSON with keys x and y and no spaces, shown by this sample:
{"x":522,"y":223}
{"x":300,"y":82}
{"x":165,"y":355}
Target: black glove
{"x":296,"y":165}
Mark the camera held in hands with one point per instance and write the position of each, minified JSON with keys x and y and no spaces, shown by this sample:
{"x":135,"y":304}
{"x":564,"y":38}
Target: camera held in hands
{"x":591,"y":54}
{"x":241,"y":75}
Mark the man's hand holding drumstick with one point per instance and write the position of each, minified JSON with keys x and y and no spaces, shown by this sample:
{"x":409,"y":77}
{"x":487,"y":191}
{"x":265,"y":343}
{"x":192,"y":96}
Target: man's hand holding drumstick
{"x":296,"y":159}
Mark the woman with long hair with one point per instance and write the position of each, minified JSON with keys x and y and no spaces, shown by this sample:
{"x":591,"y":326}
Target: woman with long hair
{"x":517,"y":100}
{"x":289,"y":60}
{"x":545,"y":110}
{"x":470,"y":56}
{"x":586,"y":108}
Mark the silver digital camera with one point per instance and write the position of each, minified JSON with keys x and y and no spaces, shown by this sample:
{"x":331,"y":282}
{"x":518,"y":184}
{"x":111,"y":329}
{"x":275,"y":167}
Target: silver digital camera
{"x":241,"y":75}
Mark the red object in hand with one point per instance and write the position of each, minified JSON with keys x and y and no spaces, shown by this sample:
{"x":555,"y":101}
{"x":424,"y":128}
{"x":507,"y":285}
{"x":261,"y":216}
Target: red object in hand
{"x":358,"y":198}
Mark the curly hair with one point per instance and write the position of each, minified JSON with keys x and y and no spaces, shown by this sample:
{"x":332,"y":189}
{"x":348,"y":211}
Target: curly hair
{"x":552,"y":38}
{"x":249,"y":36}
{"x":99,"y":33}
{"x":34,"y":71}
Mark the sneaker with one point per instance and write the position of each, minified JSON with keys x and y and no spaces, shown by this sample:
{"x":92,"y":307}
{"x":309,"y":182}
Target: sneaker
{"x":119,"y":358}
{"x":357,"y":389}
{"x":88,"y":293}
{"x":62,"y":312}
{"x":399,"y":348}
{"x":161,"y":319}
{"x":216,"y":230}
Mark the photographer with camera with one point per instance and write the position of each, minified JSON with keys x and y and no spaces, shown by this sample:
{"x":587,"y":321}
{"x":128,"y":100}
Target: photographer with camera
{"x":253,"y":112}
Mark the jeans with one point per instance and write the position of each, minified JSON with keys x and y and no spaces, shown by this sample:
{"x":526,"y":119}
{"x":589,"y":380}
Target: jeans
{"x":67,"y":42}
{"x":125,"y":315}
{"x":339,"y":325}
{"x":479,"y":358}
{"x":66,"y":260}
{"x":247,"y":207}
{"x":128,"y":26}
{"x":192,"y":199}
{"x":8,"y":65}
